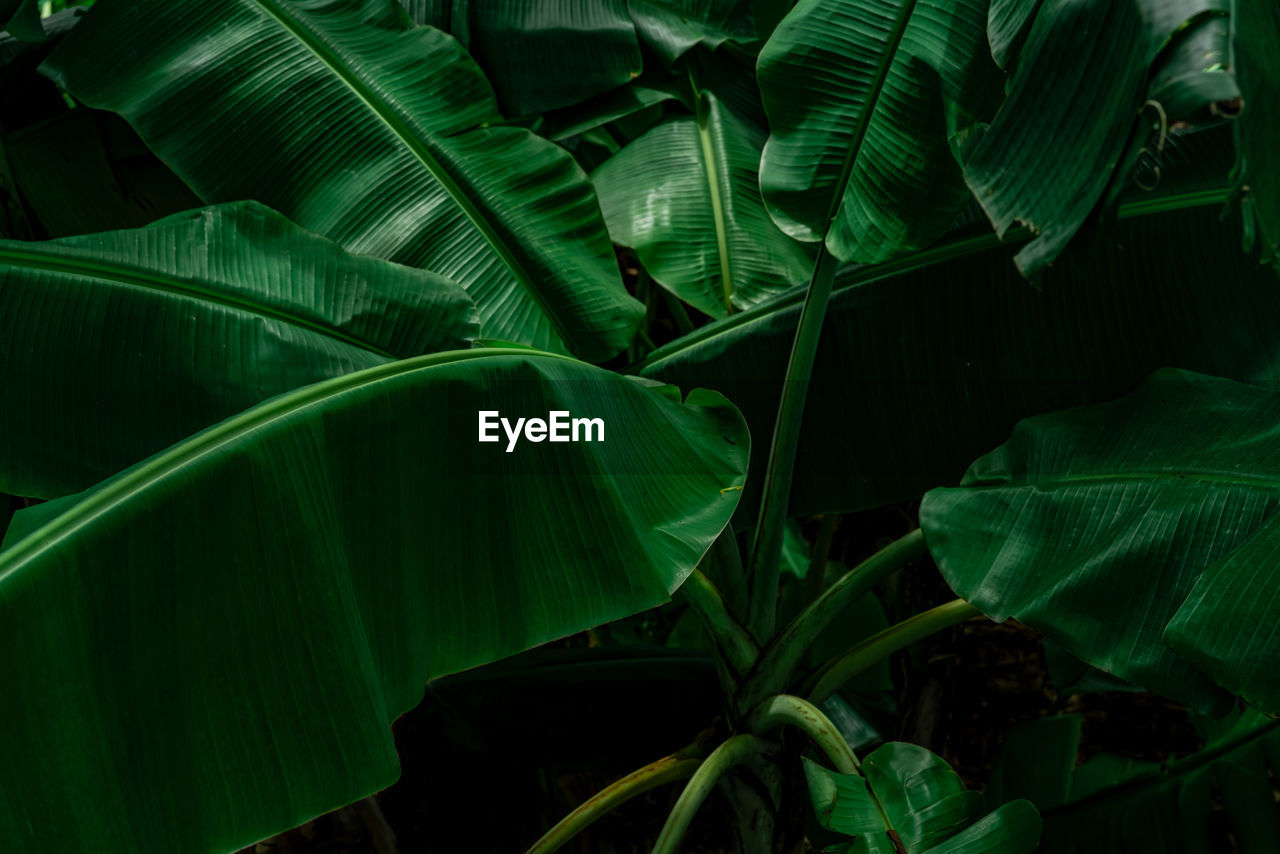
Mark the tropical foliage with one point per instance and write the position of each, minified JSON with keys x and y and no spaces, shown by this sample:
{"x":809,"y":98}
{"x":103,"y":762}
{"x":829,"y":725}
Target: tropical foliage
{"x":1007,"y":266}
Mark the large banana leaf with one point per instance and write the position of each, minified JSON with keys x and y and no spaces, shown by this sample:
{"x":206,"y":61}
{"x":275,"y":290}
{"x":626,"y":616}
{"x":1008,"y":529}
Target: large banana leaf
{"x":116,"y":345}
{"x":21,"y":18}
{"x":1115,"y":805}
{"x":1258,"y":69}
{"x":927,"y":363}
{"x":686,"y":197}
{"x":210,"y":646}
{"x":1070,"y":126}
{"x":906,"y":800}
{"x":541,"y":55}
{"x":355,"y":124}
{"x":674,"y":27}
{"x":1123,"y":528}
{"x":862,"y":96}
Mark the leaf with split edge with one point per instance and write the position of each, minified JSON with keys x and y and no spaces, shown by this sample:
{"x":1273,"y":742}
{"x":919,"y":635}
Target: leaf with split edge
{"x":121,"y":343}
{"x":911,"y":383}
{"x":908,"y":790}
{"x":862,"y":97}
{"x":1047,"y":157}
{"x":685,"y":196}
{"x":1116,"y":530}
{"x":142,"y":637}
{"x":372,"y":132}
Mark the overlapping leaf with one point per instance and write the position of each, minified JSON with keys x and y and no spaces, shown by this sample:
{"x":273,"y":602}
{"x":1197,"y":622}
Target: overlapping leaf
{"x":927,"y":364}
{"x":116,"y":345}
{"x":685,"y":196}
{"x":1071,"y":125}
{"x":1112,"y":804}
{"x":862,"y":97}
{"x":909,"y":801}
{"x":211,"y":645}
{"x":1258,"y":69}
{"x":1125,"y":528}
{"x":357,"y":125}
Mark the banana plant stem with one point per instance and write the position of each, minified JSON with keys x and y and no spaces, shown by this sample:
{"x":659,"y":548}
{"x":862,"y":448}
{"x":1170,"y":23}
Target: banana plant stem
{"x":730,"y":637}
{"x":840,"y":670}
{"x":732,"y":752}
{"x":668,"y":769}
{"x":787,"y":710}
{"x":819,"y":556}
{"x":784,"y":654}
{"x":766,"y":549}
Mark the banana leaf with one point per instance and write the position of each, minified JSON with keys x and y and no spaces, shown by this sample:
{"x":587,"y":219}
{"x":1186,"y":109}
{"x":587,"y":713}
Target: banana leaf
{"x":1140,"y":534}
{"x":927,"y":363}
{"x":1258,"y":69}
{"x":686,"y":197}
{"x":1112,"y":804}
{"x":862,"y":97}
{"x":906,"y":800}
{"x":359,"y":126}
{"x":114,"y":346}
{"x":210,"y":646}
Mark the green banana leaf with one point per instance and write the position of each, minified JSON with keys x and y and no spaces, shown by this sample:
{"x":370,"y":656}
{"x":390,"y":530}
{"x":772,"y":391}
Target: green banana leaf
{"x":1095,"y":62}
{"x":543,"y":55}
{"x":927,"y":363}
{"x":1112,"y":804}
{"x":114,"y":346}
{"x":686,"y":197}
{"x":359,"y":126}
{"x":909,"y":801}
{"x":862,"y":97}
{"x":210,"y":646}
{"x":671,"y":28}
{"x":1140,"y":534}
{"x":21,"y":18}
{"x":1257,"y":66}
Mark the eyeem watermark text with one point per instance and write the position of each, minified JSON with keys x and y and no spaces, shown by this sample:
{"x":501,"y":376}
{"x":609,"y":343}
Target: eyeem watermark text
{"x":558,"y":427}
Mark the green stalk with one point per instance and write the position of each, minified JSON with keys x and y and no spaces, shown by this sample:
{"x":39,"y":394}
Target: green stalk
{"x":787,"y":710}
{"x":684,"y":324}
{"x":730,"y":637}
{"x":766,"y":549}
{"x":732,"y":752}
{"x":668,"y":769}
{"x":840,"y":670}
{"x":784,"y":654}
{"x":819,"y":556}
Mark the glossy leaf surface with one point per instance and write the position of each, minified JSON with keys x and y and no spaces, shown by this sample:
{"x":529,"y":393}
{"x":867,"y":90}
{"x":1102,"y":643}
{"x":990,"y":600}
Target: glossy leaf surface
{"x":120,"y":344}
{"x":686,"y":197}
{"x":355,"y":124}
{"x":905,"y":789}
{"x":862,"y":97}
{"x":1100,"y":525}
{"x":211,"y":645}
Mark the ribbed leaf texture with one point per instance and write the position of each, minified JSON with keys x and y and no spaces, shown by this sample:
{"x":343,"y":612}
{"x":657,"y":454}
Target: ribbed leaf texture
{"x":353,"y":123}
{"x":1124,"y":534}
{"x":210,"y":646}
{"x":114,"y":346}
{"x":862,"y":97}
{"x":686,"y":197}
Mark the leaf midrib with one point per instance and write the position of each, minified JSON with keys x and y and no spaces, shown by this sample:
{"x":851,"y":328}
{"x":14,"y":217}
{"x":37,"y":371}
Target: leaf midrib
{"x":710,"y":165}
{"x":389,"y":116}
{"x":257,"y":419}
{"x":1194,"y":477}
{"x":125,"y":274}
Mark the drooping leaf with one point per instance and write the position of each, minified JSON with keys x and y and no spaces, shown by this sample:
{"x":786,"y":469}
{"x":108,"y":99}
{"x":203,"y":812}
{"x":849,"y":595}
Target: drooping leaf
{"x":862,"y":97}
{"x":686,"y":197}
{"x":1257,"y":67}
{"x":211,"y":645}
{"x":1116,"y":805}
{"x":927,"y":363}
{"x":544,"y":55}
{"x":114,"y":346}
{"x":357,"y":125}
{"x":21,"y":18}
{"x":905,"y":789}
{"x":1100,"y":525}
{"x":1070,"y":123}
